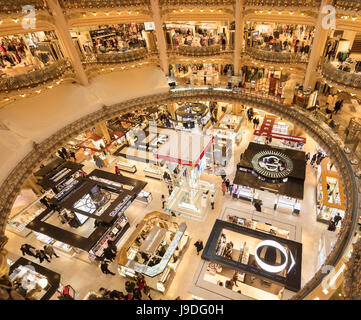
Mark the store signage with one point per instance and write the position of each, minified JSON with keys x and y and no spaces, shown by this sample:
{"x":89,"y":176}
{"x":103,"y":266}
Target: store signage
{"x":281,"y":257}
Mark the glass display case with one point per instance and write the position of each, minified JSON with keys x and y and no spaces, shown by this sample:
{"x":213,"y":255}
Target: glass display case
{"x":126,"y":165}
{"x":144,"y":197}
{"x":114,"y":233}
{"x":153,"y":171}
{"x":56,"y":244}
{"x":18,"y":221}
{"x":243,"y":192}
{"x":330,"y":197}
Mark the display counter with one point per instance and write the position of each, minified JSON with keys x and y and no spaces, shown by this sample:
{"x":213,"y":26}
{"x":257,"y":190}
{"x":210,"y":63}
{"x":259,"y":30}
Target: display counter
{"x":33,"y":281}
{"x":330,"y":196}
{"x":65,"y":248}
{"x":153,"y":171}
{"x":114,"y":233}
{"x":17,"y":223}
{"x":155,"y":249}
{"x":126,"y":165}
{"x":144,"y":197}
{"x":259,"y":225}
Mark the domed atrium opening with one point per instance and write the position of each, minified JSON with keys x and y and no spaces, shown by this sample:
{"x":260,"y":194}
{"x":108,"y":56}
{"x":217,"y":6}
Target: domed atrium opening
{"x":180,"y":150}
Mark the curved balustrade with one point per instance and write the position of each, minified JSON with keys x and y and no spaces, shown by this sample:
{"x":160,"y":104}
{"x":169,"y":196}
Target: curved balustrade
{"x":16,"y":6}
{"x":277,"y":57}
{"x":96,"y":4}
{"x":199,"y":51}
{"x":35,"y":77}
{"x":284,"y":3}
{"x":119,"y":57}
{"x":195,"y":3}
{"x":354,"y":5}
{"x":330,"y":72}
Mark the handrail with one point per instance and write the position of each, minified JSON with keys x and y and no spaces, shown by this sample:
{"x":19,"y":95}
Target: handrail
{"x":349,"y":79}
{"x":185,"y":50}
{"x":126,"y":56}
{"x":95,"y":4}
{"x":16,"y":6}
{"x":33,"y":78}
{"x":284,"y":3}
{"x":279,"y":57}
{"x":323,"y":134}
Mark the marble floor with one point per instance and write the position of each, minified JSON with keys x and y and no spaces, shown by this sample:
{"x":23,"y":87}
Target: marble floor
{"x":85,"y":276}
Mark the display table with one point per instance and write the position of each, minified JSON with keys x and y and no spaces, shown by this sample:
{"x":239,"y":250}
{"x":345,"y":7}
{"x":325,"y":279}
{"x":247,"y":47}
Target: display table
{"x":330,"y":196}
{"x":125,"y":165}
{"x":153,"y":171}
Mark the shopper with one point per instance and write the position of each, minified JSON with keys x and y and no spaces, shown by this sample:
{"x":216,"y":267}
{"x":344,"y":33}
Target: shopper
{"x":227,"y":184}
{"x":42,"y":256}
{"x":235,"y":278}
{"x":49,"y":250}
{"x":307,"y":157}
{"x":199,"y":246}
{"x":147,"y":292}
{"x":331,"y":225}
{"x":163,"y":201}
{"x":129,"y":287}
{"x":27,"y":249}
{"x":337,"y":218}
{"x":212,"y":201}
{"x":137,"y":294}
{"x":110,"y":252}
{"x":72,"y":155}
{"x":65,"y":153}
{"x":230,"y":189}
{"x":117,"y":170}
{"x":141,"y":283}
{"x":224,"y":187}
{"x":229,"y":284}
{"x":313,"y":159}
{"x":61,"y":154}
{"x":104,"y":268}
{"x":258,"y":205}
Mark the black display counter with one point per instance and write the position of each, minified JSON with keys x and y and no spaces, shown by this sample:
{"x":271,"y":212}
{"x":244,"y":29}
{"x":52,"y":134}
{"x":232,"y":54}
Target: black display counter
{"x":292,"y":277}
{"x":57,"y":177}
{"x":289,"y":183}
{"x":127,"y":190}
{"x":52,"y":277}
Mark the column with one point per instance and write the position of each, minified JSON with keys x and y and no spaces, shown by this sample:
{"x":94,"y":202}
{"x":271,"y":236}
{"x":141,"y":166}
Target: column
{"x":62,"y":32}
{"x":171,"y":109}
{"x":318,"y":46}
{"x":161,"y":44}
{"x":31,"y":182}
{"x":101,"y":129}
{"x":238,"y":36}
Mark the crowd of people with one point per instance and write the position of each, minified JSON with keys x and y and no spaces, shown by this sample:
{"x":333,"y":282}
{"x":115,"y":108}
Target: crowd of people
{"x":46,"y":253}
{"x":315,"y":160}
{"x":202,"y":38}
{"x":133,"y":291}
{"x":120,"y":43}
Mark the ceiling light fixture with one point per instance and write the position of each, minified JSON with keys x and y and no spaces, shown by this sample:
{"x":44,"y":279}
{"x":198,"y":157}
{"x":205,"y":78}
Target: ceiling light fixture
{"x":118,"y":13}
{"x":279,"y":12}
{"x":269,"y":12}
{"x":291,"y":13}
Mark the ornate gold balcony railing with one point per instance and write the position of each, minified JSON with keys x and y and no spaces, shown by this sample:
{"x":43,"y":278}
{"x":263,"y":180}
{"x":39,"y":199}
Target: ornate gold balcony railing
{"x":354,"y":5}
{"x":283,"y":3}
{"x":277,"y":57}
{"x":34,"y":78}
{"x":98,"y":4}
{"x":349,"y":79}
{"x":122,"y":57}
{"x":200,"y":51}
{"x":16,"y":6}
{"x":195,"y":3}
